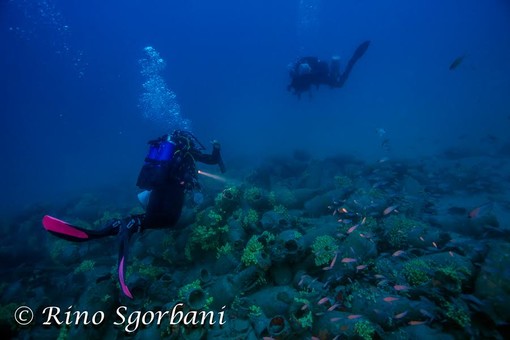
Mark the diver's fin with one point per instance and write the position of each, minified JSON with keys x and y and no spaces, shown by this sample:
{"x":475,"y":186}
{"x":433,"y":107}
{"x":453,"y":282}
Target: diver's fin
{"x":123,"y":254}
{"x":65,"y":230}
{"x":358,"y":53}
{"x":73,"y":233}
{"x":360,"y":50}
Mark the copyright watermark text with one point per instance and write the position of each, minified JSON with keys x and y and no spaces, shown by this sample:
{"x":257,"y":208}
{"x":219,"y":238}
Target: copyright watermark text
{"x":131,"y":321}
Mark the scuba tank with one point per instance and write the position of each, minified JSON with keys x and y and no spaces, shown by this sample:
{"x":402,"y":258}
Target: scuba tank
{"x":159,"y":159}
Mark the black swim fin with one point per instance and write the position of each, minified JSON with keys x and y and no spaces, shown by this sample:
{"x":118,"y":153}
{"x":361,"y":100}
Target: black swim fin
{"x":358,"y":53}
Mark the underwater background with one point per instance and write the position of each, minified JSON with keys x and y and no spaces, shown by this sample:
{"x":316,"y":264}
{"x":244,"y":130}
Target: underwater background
{"x":393,"y":187}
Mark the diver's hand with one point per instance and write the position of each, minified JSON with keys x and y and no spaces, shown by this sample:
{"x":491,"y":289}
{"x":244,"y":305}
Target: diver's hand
{"x":216,"y":144}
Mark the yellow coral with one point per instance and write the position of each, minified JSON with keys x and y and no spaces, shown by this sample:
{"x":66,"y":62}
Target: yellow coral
{"x":85,"y":266}
{"x":253,"y":249}
{"x":324,"y":249}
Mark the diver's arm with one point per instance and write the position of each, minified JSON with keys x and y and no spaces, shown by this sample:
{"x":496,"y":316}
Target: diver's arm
{"x":213,"y":158}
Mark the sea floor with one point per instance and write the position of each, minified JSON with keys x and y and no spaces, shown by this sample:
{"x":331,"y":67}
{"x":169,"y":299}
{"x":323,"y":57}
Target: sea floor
{"x":294,"y":248}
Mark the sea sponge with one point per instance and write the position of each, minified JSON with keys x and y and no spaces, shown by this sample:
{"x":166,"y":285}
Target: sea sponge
{"x":228,"y":200}
{"x":85,"y":266}
{"x":207,"y":233}
{"x":364,"y":329}
{"x":324,"y":248}
{"x":398,"y":228}
{"x":252,"y":252}
{"x":251,"y":217}
{"x":416,"y":272}
{"x":458,"y":314}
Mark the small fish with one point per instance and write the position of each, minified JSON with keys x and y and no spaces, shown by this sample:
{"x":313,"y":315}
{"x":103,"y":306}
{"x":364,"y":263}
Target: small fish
{"x":398,"y":253}
{"x":382,"y":283}
{"x":481,"y":210}
{"x":333,"y":307}
{"x":400,"y":287}
{"x":389,"y":209}
{"x":401,"y":315}
{"x":415,"y":323}
{"x":332,"y":264}
{"x":323,"y":300}
{"x":348,"y":260}
{"x":456,"y":62}
{"x":434,"y":244}
{"x":305,"y":306}
{"x":390,"y":299}
{"x":426,"y":313}
{"x":361,"y":267}
{"x":363,"y":220}
{"x":268,"y":338}
{"x":422,"y":239}
{"x":351,"y":229}
{"x":354,"y":316}
{"x":379,"y":276}
{"x":315,"y":338}
{"x":335,"y":319}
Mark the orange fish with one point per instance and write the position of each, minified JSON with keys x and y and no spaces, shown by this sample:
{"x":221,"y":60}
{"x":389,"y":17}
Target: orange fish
{"x":333,"y":261}
{"x":390,"y":299}
{"x":415,"y":323}
{"x":333,"y":307}
{"x":481,"y":210}
{"x":400,"y":287}
{"x":323,"y":300}
{"x":354,"y":316}
{"x":398,"y":253}
{"x":348,"y":260}
{"x":351,"y":229}
{"x":389,"y":209}
{"x":401,"y":315}
{"x":361,"y":267}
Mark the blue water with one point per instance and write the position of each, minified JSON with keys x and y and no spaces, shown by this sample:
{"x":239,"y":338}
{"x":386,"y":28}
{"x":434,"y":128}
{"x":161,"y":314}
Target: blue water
{"x":85,"y":84}
{"x":71,"y":81}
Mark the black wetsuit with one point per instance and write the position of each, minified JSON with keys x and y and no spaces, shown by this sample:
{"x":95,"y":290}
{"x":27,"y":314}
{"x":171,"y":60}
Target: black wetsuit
{"x":168,"y":179}
{"x":309,"y":71}
{"x":166,"y":201}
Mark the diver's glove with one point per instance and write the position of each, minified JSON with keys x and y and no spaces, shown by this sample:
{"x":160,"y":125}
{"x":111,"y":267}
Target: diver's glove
{"x":217,"y":154}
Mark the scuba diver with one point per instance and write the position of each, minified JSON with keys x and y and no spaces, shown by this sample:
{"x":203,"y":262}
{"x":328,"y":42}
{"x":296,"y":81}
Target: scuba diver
{"x":169,"y":172}
{"x":308,"y":71}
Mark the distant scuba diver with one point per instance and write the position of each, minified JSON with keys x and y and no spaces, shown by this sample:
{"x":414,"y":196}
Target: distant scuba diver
{"x":168,"y":173}
{"x":308,"y":71}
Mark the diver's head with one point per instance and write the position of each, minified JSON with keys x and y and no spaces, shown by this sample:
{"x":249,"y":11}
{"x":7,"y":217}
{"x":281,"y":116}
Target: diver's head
{"x":304,"y":68}
{"x":186,"y":140}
